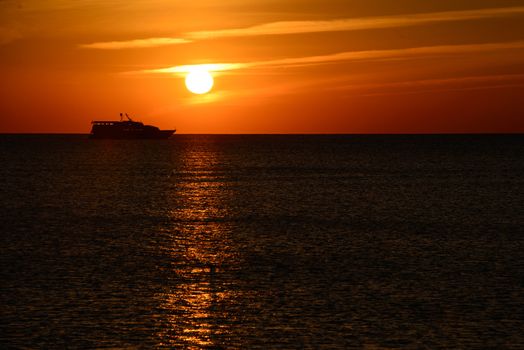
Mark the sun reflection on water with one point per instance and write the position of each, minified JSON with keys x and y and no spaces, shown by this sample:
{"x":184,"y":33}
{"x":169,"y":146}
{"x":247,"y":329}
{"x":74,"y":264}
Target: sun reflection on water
{"x":200,"y":254}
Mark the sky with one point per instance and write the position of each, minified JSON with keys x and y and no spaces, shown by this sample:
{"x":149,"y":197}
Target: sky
{"x":279,"y":66}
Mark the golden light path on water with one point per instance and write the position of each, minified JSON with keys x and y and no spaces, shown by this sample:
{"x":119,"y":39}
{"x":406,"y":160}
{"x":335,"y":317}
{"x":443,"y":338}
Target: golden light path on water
{"x":200,"y":246}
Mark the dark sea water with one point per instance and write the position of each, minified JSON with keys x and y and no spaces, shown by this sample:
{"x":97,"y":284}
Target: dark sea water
{"x":279,"y":242}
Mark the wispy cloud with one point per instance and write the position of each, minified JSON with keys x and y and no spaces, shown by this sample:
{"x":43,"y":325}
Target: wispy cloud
{"x":444,"y":89}
{"x":210,"y":67}
{"x":302,"y":27}
{"x":404,"y":53}
{"x":410,"y":87}
{"x":425,"y":85}
{"x":137,"y":43}
{"x":349,"y":24}
{"x":458,"y":80}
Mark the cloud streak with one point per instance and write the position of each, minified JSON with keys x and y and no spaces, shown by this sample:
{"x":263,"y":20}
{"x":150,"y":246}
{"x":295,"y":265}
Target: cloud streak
{"x":405,"y":53}
{"x":420,"y":86}
{"x":351,"y":24}
{"x":135,"y":44}
{"x":303,"y":27}
{"x":443,"y":89}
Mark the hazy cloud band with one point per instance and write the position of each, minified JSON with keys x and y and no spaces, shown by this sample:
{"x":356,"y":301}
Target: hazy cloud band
{"x":349,"y":24}
{"x":302,"y":27}
{"x":345,"y":56}
{"x":137,"y":43}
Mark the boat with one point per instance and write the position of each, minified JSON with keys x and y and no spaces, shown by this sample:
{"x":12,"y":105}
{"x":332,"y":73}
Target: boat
{"x":126,"y":129}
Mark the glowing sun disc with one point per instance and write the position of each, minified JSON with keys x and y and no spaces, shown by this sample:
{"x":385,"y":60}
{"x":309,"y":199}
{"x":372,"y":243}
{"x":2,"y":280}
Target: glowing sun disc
{"x":199,"y":81}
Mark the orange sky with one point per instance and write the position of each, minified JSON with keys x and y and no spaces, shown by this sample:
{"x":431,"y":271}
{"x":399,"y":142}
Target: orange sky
{"x":280,"y":66}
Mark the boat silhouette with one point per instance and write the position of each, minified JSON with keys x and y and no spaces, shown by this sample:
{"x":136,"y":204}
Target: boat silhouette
{"x":126,"y":129}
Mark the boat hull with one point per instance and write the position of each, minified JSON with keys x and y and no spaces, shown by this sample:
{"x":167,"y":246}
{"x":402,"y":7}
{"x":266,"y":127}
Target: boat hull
{"x":160,"y":134}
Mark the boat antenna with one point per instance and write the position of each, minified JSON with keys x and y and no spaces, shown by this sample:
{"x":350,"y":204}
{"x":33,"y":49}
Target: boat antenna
{"x":121,"y":116}
{"x":129,"y":118}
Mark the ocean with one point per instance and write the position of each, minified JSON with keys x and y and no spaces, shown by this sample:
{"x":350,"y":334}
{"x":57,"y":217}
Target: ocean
{"x":262,"y":241}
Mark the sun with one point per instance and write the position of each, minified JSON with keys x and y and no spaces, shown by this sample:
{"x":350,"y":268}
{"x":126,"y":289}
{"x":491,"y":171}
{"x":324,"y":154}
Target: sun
{"x":199,"y":81}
